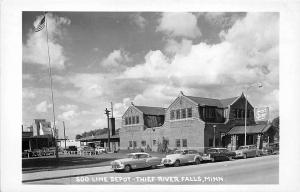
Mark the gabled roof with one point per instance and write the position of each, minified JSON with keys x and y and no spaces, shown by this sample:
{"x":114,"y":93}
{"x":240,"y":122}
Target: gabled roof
{"x":151,"y":110}
{"x":213,"y":102}
{"x":228,"y":101}
{"x":260,"y":128}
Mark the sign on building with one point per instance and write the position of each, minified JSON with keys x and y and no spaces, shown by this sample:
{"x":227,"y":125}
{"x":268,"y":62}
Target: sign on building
{"x":262,"y":114}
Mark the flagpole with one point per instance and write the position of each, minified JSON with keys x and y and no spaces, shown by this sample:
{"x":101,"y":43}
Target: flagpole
{"x":50,"y":78}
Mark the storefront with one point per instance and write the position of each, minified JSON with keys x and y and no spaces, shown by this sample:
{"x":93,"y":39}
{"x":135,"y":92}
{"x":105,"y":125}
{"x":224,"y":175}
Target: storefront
{"x":259,"y":135}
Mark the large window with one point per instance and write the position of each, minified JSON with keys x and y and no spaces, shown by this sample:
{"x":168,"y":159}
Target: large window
{"x":183,"y":113}
{"x":130,"y":143}
{"x":154,"y":142}
{"x":132,"y":120}
{"x":134,"y":143}
{"x":184,"y":142}
{"x":177,"y":142}
{"x":143,"y":143}
{"x":178,"y":114}
{"x":172,"y":115}
{"x":189,"y":112}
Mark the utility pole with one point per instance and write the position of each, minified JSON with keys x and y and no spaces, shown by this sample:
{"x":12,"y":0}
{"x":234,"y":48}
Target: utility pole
{"x":214,"y":144}
{"x":65,"y":135}
{"x":108,"y":132}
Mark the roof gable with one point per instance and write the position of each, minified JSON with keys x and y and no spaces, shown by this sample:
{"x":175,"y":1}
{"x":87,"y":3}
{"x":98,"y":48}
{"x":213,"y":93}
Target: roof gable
{"x":151,"y":110}
{"x":228,"y":101}
{"x":221,"y":103}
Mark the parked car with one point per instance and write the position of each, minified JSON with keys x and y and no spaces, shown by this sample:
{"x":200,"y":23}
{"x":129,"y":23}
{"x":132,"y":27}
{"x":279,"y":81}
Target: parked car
{"x":99,"y":150}
{"x":37,"y":152}
{"x":182,"y":157}
{"x":86,"y":149}
{"x":71,"y":149}
{"x":247,"y":151}
{"x":27,"y":153}
{"x":136,"y":161}
{"x":272,"y":148}
{"x":218,"y":154}
{"x":48,"y":151}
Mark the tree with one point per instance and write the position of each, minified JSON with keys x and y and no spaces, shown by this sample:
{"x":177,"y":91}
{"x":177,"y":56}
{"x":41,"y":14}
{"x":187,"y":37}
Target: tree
{"x":78,"y":136}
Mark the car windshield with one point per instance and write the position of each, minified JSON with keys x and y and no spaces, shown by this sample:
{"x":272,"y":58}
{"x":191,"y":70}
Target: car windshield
{"x":243,"y":147}
{"x":133,"y":156}
{"x":211,"y":150}
{"x":178,"y":152}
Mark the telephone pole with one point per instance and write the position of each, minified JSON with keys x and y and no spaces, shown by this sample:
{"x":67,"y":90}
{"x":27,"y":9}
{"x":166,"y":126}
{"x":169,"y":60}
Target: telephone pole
{"x":65,"y":135}
{"x":108,"y":132}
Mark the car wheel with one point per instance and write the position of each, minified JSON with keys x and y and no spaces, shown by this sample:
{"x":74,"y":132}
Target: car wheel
{"x":177,"y":163}
{"x":127,"y":168}
{"x":197,"y":161}
{"x":244,"y":156}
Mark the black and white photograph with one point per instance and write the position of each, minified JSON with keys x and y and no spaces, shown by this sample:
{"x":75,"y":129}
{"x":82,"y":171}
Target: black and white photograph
{"x":150,"y":91}
{"x":162,"y":98}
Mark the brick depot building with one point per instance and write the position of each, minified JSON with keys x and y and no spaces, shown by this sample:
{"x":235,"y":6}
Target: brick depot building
{"x":191,"y":122}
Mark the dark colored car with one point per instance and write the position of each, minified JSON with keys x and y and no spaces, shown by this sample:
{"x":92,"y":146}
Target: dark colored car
{"x":218,"y":154}
{"x":71,"y":148}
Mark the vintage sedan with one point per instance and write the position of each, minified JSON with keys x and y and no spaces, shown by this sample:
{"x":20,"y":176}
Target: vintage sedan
{"x":218,"y":154}
{"x":135,"y":161}
{"x":247,"y":151}
{"x":182,"y":157}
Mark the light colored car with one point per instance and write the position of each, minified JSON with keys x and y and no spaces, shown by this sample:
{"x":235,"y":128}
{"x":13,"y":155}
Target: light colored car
{"x":136,"y":161}
{"x":182,"y":157}
{"x":247,"y":151}
{"x":99,"y":150}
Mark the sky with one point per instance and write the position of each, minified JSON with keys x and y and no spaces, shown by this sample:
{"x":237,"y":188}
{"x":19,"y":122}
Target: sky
{"x":146,"y":58}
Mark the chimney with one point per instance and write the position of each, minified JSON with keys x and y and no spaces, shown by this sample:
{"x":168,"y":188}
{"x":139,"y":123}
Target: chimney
{"x":112,"y":125}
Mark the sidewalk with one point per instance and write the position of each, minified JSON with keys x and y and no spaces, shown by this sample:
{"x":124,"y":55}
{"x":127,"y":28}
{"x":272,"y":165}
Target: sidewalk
{"x":57,"y":174}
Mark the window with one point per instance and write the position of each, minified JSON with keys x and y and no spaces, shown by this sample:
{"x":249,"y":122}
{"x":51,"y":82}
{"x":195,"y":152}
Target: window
{"x":189,"y":112}
{"x":133,"y":120}
{"x":134,"y":143}
{"x":183,"y":113}
{"x":126,"y":121}
{"x":129,"y":120}
{"x":154,"y":142}
{"x":177,"y":142}
{"x":137,"y":120}
{"x":184,"y":142}
{"x":172,"y":115}
{"x":143,"y":143}
{"x":143,"y":156}
{"x":130,"y":143}
{"x":178,"y":114}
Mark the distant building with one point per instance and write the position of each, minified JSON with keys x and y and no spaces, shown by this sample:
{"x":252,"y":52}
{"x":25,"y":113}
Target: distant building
{"x":37,"y":136}
{"x":191,"y":122}
{"x":41,"y":127}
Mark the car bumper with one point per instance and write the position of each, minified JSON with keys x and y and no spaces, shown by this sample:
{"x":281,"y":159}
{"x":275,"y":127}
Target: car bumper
{"x":117,"y":167}
{"x":167,"y":162}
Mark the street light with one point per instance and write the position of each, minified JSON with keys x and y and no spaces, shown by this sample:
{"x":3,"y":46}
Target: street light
{"x":214,"y":144}
{"x":259,"y":85}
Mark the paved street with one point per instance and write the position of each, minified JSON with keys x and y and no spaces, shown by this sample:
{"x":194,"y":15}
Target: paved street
{"x":260,"y":170}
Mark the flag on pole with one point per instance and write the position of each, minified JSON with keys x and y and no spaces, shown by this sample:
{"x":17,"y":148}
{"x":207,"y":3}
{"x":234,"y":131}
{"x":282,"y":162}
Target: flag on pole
{"x":41,"y":25}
